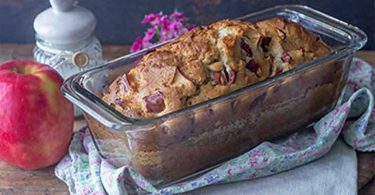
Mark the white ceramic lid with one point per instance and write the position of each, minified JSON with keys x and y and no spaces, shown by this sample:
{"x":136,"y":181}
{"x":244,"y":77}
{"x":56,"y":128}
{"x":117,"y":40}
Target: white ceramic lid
{"x":64,"y":23}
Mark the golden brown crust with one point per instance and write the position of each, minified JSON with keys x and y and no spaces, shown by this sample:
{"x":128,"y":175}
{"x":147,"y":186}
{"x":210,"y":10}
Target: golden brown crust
{"x":210,"y":61}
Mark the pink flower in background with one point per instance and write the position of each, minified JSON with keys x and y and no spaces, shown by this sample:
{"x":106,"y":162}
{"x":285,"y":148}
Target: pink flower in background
{"x":190,"y":26}
{"x":179,"y":16}
{"x":163,"y":28}
{"x":149,"y":35}
{"x":137,"y":45}
{"x":152,"y":18}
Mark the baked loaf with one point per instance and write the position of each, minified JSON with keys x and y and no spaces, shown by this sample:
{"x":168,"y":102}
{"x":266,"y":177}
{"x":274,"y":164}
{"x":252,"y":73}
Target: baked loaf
{"x":211,"y":61}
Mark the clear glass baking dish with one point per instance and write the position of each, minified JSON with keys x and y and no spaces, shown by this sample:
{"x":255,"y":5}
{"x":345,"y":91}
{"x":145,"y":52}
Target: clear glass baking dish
{"x":198,"y":137}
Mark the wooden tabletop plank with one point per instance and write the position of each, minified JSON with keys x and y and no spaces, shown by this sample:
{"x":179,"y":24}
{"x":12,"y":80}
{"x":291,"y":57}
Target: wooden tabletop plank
{"x":17,"y":181}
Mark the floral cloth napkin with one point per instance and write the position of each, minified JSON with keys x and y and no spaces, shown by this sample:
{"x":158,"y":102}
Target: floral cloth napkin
{"x":333,"y":174}
{"x":85,"y":172}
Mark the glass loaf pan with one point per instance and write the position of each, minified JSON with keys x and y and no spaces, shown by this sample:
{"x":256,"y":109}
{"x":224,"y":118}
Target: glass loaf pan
{"x":198,"y":137}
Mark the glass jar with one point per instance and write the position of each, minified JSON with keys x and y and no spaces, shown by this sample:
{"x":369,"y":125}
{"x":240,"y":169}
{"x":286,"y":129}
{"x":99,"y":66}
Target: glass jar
{"x":68,"y":59}
{"x":65,"y":38}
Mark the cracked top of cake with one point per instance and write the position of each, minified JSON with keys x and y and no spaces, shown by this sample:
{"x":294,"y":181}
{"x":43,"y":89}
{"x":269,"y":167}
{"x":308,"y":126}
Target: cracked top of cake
{"x":211,"y":61}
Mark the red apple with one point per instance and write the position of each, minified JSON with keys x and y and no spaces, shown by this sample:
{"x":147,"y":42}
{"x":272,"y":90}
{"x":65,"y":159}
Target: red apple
{"x":36,"y":121}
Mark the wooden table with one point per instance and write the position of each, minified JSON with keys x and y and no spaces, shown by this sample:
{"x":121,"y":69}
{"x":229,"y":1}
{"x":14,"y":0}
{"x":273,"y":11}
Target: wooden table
{"x":17,"y":181}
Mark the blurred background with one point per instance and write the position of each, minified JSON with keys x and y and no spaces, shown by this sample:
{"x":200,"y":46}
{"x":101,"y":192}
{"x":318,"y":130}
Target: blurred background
{"x":119,"y":20}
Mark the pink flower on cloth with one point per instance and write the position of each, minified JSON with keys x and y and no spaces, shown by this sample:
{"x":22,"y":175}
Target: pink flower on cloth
{"x":163,"y":28}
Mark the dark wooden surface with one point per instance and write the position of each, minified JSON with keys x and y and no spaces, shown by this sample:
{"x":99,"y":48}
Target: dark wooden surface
{"x":17,"y":181}
{"x":119,"y":20}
